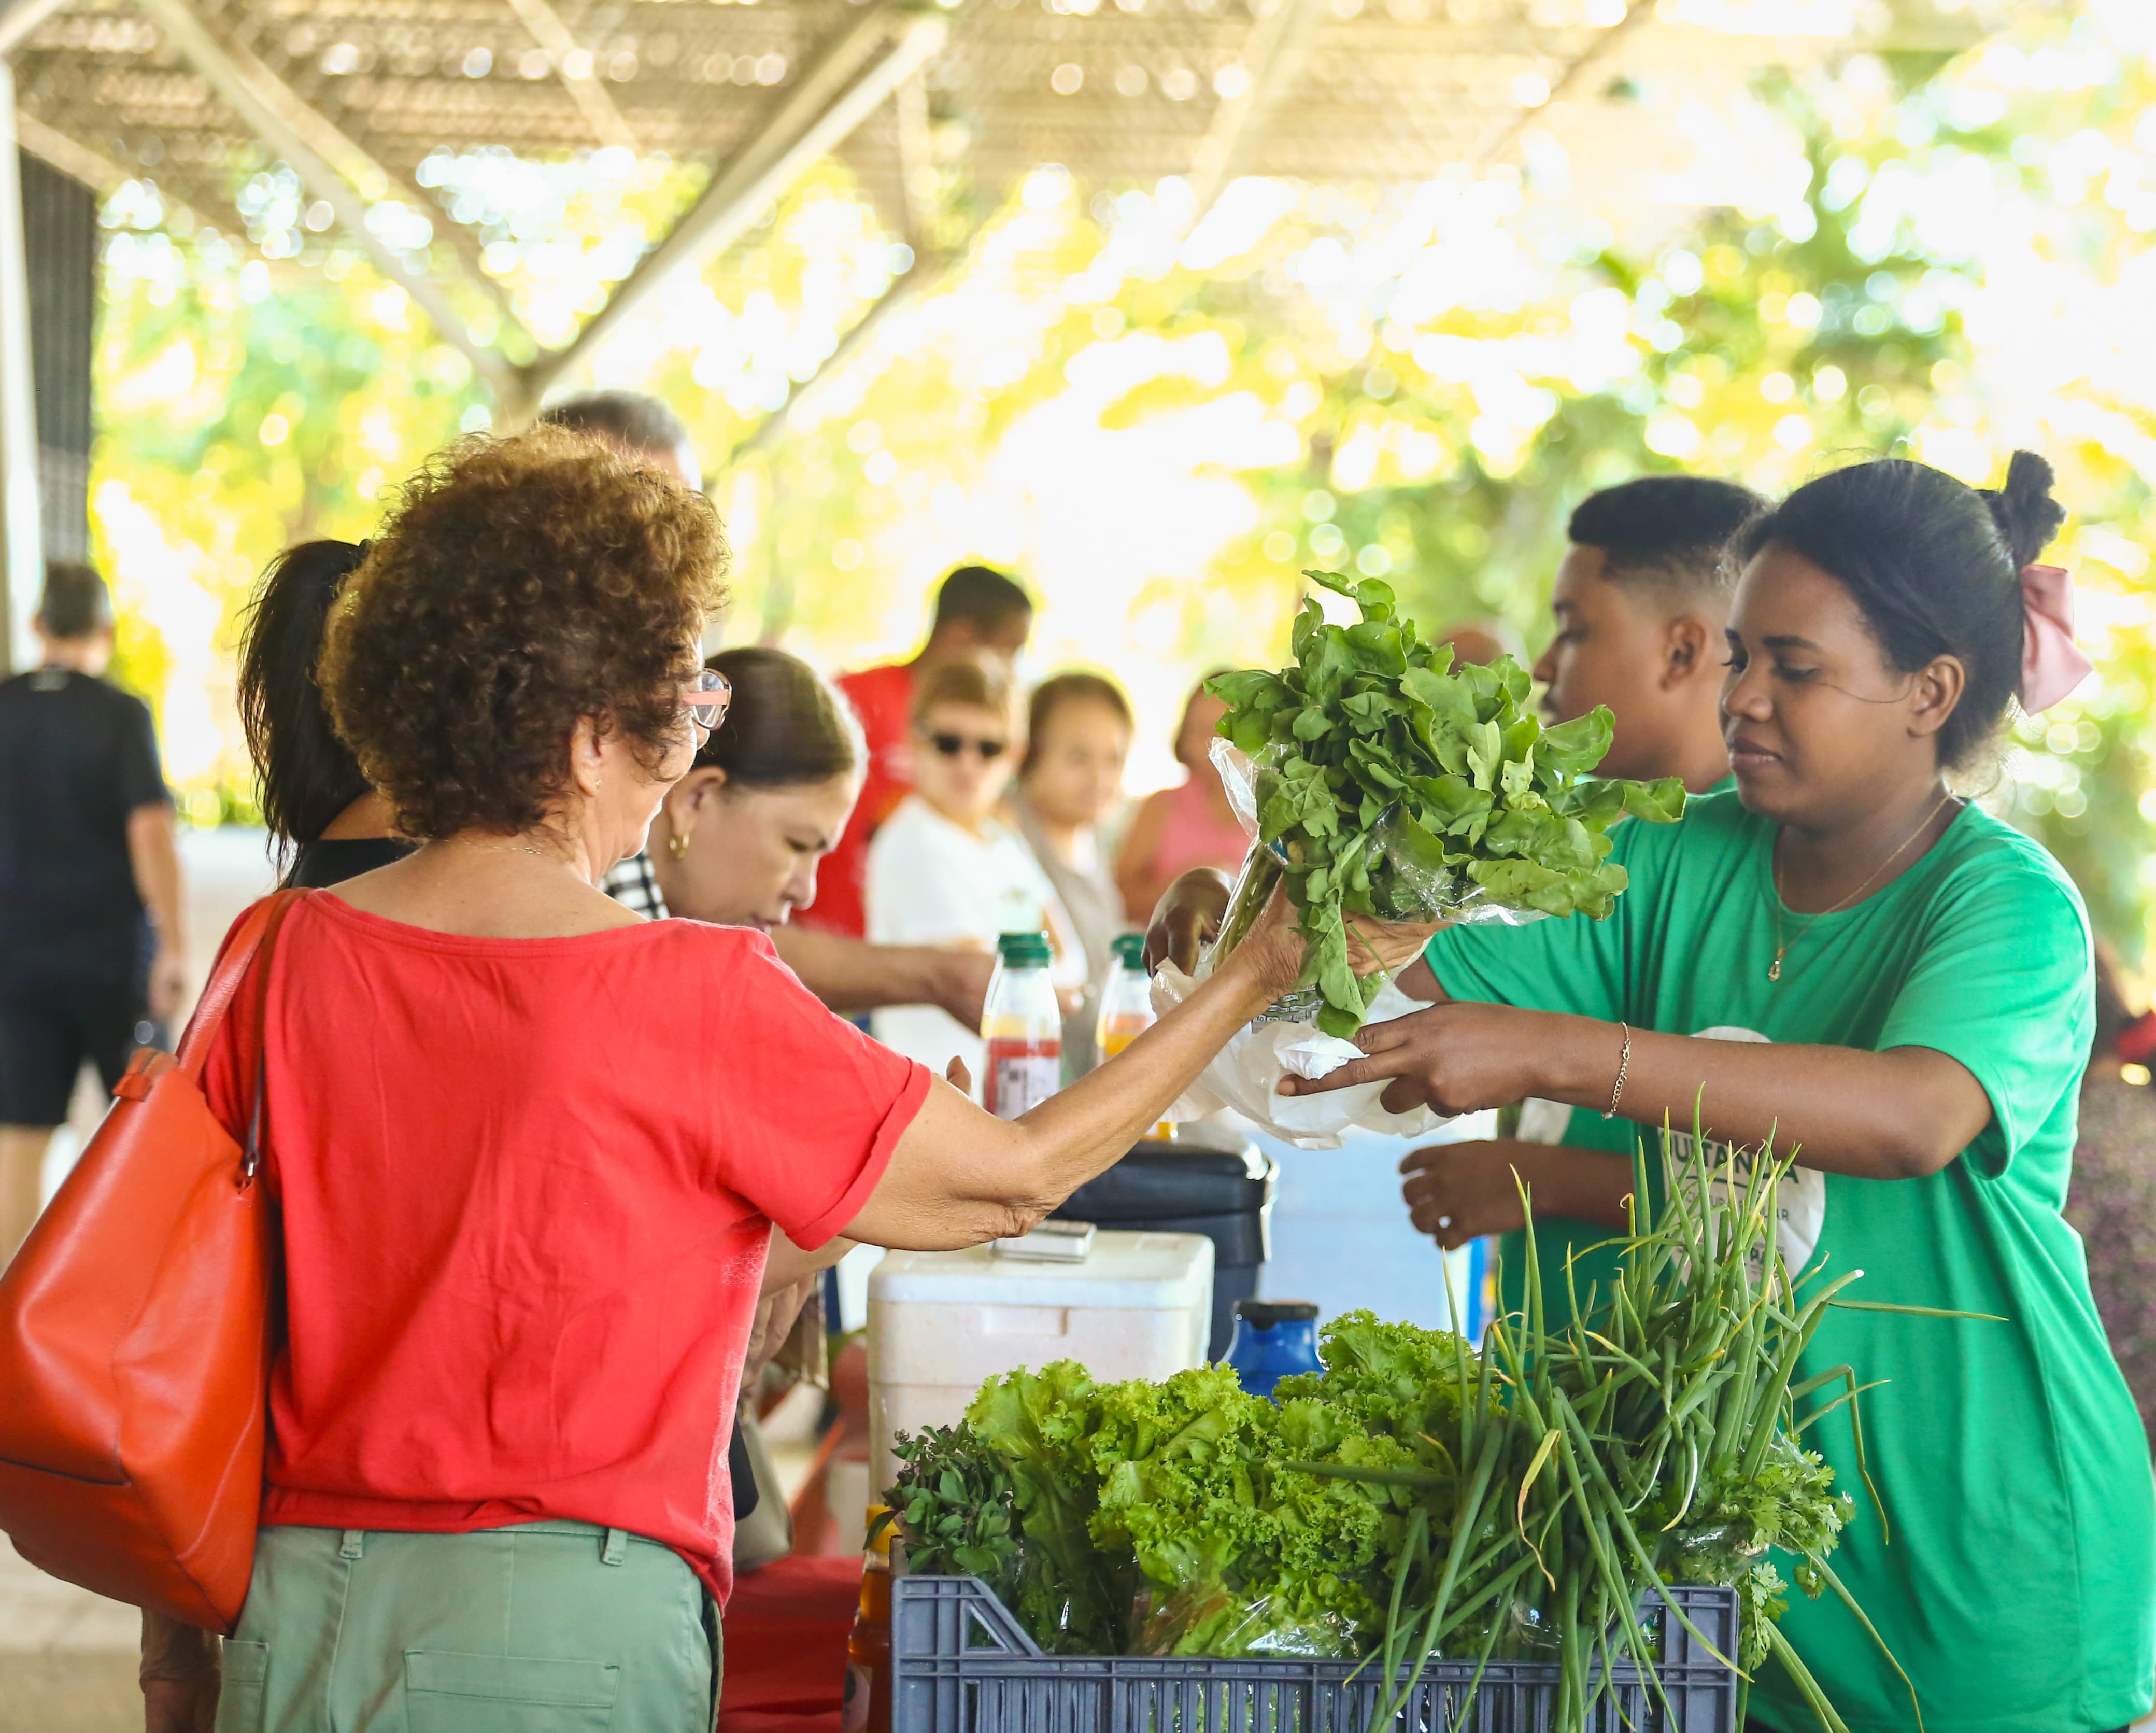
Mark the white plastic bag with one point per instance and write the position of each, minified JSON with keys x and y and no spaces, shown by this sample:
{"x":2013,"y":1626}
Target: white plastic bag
{"x":1245,"y":1075}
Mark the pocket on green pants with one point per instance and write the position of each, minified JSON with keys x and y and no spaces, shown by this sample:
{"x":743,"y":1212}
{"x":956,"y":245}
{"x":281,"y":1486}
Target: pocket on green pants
{"x":240,"y":1698}
{"x":449,"y":1693}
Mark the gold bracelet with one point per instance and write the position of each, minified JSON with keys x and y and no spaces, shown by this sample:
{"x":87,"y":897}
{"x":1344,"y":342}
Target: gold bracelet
{"x":1624,"y":1067}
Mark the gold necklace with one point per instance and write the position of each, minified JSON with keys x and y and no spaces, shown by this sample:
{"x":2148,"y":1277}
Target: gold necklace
{"x":1774,"y":872}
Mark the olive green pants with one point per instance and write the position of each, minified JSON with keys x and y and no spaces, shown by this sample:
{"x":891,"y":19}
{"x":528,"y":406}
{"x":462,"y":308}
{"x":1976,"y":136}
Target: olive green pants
{"x":544,"y":1627}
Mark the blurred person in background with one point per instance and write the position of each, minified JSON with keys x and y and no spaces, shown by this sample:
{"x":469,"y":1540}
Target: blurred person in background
{"x":981,"y":615}
{"x":944,"y":870}
{"x":2110,"y":1195}
{"x":1482,"y":640}
{"x":1188,"y":825}
{"x":635,"y":425}
{"x":325,"y":823}
{"x":741,"y":838}
{"x":93,"y":947}
{"x":1077,"y":741}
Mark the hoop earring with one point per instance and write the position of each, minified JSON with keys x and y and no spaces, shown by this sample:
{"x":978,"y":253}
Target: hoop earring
{"x":677,"y":845}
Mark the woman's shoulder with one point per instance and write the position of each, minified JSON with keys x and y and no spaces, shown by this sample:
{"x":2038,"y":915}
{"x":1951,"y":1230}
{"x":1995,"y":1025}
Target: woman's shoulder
{"x":1983,"y":858}
{"x":325,"y":916}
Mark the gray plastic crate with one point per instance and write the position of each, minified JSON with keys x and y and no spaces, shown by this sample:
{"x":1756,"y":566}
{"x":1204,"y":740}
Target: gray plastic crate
{"x":961,"y":1663}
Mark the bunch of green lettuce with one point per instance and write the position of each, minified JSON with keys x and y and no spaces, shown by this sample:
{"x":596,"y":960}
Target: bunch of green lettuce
{"x":1072,"y":1597}
{"x":1243,"y":1552}
{"x":1390,"y":784}
{"x":1187,"y":1516}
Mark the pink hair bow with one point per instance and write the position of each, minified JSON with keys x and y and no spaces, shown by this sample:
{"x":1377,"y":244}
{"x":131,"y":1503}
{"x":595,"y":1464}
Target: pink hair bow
{"x":2052,"y":664}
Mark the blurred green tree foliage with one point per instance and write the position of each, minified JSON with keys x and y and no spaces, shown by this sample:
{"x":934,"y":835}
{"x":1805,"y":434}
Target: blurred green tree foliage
{"x":1417,"y":382}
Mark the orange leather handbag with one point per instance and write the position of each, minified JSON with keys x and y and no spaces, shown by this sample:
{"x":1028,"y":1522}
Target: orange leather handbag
{"x":134,"y":1326}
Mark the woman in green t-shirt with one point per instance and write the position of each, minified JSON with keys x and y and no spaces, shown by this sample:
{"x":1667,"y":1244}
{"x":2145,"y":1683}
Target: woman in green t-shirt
{"x":1844,"y":956}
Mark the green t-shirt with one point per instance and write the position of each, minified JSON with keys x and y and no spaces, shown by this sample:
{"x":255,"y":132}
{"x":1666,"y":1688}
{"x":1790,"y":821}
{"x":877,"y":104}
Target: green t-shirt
{"x":2019,"y":1590}
{"x":1587,"y":1244}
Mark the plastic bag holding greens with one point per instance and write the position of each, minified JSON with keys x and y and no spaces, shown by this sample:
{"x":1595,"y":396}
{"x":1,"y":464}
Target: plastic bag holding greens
{"x":1383,"y":785}
{"x":1380,"y":784}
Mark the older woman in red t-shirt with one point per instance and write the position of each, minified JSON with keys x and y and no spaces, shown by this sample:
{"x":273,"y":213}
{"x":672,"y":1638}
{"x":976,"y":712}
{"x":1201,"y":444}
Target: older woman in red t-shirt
{"x":530,"y":1149}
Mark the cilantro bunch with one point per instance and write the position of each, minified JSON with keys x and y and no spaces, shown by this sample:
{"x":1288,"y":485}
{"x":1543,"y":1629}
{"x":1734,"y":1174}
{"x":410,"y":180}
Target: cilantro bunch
{"x":1390,"y":784}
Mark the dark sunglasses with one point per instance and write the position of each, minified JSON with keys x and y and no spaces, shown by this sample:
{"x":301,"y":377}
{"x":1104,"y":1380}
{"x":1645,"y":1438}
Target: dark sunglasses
{"x":951,"y":745}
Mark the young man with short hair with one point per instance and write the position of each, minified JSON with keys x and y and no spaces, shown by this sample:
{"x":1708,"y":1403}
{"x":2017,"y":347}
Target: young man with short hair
{"x":93,"y":952}
{"x":1640,"y":601}
{"x":1642,"y":597}
{"x":979,"y":612}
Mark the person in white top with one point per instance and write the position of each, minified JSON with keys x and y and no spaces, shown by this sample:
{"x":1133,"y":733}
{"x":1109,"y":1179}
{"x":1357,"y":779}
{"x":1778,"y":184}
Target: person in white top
{"x":943,"y":870}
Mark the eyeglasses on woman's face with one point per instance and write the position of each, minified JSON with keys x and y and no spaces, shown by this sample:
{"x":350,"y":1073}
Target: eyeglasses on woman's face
{"x":952,"y":745}
{"x":706,"y":693}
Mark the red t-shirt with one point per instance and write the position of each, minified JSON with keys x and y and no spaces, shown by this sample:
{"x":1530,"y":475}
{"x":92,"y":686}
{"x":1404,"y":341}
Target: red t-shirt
{"x":883,"y":698}
{"x":527,"y":1190}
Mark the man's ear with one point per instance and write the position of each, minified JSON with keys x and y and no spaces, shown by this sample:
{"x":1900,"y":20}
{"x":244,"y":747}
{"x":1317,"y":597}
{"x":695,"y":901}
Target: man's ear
{"x":1688,"y":643}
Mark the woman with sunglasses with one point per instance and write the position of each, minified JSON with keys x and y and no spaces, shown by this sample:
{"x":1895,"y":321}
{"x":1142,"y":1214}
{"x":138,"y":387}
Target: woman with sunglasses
{"x":529,"y":1150}
{"x":943,"y":870}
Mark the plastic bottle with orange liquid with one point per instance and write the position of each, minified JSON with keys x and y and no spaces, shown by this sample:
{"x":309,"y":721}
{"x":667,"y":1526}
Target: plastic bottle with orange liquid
{"x":1126,"y":1009}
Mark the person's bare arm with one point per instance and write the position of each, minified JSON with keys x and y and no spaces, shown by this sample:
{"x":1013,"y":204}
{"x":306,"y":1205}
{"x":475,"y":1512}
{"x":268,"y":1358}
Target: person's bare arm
{"x":959,"y":1175}
{"x":1901,"y":1114}
{"x":1134,"y":871}
{"x":786,"y":1263}
{"x":154,"y":854}
{"x":850,"y":974}
{"x":179,"y":1676}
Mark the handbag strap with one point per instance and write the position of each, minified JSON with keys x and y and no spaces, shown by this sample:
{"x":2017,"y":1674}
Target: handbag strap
{"x":253,"y":939}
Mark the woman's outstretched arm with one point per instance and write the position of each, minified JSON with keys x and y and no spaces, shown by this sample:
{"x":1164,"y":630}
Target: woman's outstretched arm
{"x":959,"y":1175}
{"x":1901,"y":1114}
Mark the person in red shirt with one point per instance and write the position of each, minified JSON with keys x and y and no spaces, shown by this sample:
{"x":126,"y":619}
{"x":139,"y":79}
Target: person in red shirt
{"x":534,"y":1158}
{"x":979,"y":612}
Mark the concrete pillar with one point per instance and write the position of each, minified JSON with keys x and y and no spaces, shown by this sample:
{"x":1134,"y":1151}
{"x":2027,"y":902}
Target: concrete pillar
{"x":22,"y":553}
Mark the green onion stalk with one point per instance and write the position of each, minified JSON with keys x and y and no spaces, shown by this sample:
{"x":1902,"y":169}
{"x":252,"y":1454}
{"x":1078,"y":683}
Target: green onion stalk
{"x":1651,"y":1438}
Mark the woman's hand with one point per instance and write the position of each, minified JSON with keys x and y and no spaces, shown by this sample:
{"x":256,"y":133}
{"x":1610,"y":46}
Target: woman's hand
{"x":1389,"y":946}
{"x":1457,"y":1057}
{"x":1273,"y":951}
{"x":961,"y":980}
{"x":1458,"y":1192}
{"x":1186,"y":919}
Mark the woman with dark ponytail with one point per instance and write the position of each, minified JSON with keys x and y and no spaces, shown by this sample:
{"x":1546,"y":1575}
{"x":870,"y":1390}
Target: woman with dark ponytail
{"x":326,"y":824}
{"x":1845,"y":957}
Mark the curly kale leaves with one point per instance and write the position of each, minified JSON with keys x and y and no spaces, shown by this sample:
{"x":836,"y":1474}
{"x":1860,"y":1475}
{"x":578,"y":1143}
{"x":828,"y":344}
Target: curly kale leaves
{"x":1395,"y":786}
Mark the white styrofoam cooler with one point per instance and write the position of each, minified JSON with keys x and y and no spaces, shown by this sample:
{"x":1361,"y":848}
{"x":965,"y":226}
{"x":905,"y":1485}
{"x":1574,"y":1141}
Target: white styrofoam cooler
{"x":1139,"y":1306}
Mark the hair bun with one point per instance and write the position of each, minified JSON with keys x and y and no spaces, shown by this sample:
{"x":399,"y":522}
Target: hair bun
{"x":2027,"y":514}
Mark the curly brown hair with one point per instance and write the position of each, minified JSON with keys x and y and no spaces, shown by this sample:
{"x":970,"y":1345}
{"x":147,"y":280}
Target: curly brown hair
{"x":518,"y":586}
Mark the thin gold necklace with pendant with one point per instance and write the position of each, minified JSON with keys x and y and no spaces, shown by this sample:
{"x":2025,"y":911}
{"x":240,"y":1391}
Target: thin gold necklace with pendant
{"x":1781,"y":948}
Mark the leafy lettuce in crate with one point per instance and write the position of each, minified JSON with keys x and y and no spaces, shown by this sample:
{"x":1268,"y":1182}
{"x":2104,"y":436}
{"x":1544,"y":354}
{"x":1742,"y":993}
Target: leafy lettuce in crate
{"x":1388,"y":783}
